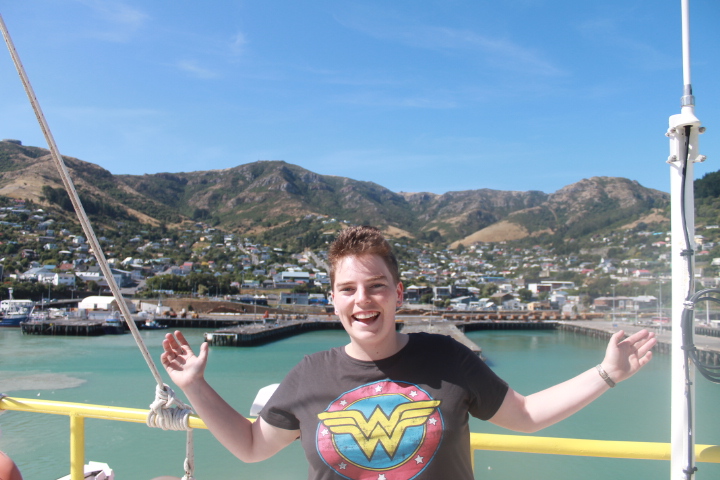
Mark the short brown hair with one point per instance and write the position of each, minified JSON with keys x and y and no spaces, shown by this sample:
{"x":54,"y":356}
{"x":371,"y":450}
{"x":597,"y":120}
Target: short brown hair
{"x":362,"y":240}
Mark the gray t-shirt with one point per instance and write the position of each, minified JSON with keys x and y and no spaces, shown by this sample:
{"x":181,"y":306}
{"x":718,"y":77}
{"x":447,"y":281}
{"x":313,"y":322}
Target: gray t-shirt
{"x":403,"y":417}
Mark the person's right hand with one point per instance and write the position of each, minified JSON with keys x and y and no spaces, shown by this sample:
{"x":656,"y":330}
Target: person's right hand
{"x":183,"y":366}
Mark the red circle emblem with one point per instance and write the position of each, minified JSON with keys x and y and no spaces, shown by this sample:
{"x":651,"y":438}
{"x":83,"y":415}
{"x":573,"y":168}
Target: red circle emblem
{"x":379,"y":431}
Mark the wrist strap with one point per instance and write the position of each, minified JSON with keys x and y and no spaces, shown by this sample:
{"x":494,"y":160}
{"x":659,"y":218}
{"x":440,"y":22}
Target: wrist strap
{"x":605,"y":376}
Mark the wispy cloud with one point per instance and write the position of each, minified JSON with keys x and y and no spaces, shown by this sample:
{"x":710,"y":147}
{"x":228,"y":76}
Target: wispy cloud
{"x":237,"y":44}
{"x":378,"y":99}
{"x":501,"y":52}
{"x":610,"y":32}
{"x":118,"y":21}
{"x":96,"y":113}
{"x":196,"y":70}
{"x":494,"y":50}
{"x":210,"y":56}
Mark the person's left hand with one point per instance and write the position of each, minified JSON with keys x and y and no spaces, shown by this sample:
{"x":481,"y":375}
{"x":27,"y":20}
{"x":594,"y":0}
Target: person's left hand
{"x":624,"y":357}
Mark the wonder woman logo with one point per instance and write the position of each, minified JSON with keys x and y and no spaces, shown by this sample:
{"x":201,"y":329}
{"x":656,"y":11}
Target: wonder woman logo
{"x":380,"y":428}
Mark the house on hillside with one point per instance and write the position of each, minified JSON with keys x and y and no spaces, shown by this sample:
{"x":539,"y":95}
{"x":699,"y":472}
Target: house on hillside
{"x":294,"y":299}
{"x":291,"y":276}
{"x":413,"y":293}
{"x":94,"y":274}
{"x":57,"y":279}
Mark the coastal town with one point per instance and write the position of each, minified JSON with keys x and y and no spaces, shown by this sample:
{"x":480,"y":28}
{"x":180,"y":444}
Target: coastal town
{"x":624,"y":274}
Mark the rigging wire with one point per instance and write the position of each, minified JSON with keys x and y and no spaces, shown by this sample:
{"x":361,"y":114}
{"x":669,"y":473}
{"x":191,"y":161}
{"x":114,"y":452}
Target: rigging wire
{"x":159,"y":409}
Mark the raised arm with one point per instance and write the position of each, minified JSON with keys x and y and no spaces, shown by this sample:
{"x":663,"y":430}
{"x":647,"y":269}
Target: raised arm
{"x":623,"y":358}
{"x":249,"y":441}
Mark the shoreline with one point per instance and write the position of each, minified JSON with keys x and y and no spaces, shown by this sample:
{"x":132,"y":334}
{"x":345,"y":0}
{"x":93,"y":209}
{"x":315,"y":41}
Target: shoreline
{"x":250,"y":331}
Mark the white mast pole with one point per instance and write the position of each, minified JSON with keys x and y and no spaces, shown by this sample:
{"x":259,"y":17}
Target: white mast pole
{"x":683,"y":134}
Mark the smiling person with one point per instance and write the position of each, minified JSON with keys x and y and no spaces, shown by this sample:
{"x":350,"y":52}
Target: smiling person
{"x":388,"y":405}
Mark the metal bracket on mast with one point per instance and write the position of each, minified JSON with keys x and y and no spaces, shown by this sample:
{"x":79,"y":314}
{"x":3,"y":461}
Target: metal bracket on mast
{"x":676,"y":133}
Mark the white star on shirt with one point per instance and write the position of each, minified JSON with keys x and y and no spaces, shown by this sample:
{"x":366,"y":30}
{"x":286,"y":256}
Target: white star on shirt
{"x":432,"y":421}
{"x":378,"y":388}
{"x":419,"y":459}
{"x":381,"y":476}
{"x":325,"y":432}
{"x":413,"y":394}
{"x":342,"y":466}
{"x":343,"y":403}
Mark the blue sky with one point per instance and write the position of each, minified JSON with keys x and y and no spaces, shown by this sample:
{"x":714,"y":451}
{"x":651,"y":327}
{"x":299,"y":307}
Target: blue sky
{"x":414,"y":95}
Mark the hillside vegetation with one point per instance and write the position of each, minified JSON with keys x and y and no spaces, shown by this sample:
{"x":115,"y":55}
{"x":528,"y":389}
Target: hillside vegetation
{"x":275,"y":199}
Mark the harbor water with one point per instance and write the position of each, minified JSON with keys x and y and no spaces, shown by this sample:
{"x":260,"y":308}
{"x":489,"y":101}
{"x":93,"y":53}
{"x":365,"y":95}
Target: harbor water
{"x":110,"y":370}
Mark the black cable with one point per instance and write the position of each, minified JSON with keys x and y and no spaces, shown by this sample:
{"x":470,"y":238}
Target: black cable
{"x":690,"y":352}
{"x":709,"y":371}
{"x":687,"y":255}
{"x":687,"y":325}
{"x":688,"y":252}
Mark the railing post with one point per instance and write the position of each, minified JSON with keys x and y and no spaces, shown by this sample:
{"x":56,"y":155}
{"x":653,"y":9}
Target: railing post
{"x":77,"y":447}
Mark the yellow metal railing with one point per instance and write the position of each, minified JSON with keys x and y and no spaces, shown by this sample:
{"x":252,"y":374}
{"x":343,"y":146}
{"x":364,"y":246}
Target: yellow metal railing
{"x":478,"y":441}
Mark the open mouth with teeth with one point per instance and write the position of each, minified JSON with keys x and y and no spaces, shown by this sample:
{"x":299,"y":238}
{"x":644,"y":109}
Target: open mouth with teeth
{"x":366,"y":317}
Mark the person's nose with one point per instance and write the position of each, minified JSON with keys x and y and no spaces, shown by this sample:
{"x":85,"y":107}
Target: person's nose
{"x":362,"y":296}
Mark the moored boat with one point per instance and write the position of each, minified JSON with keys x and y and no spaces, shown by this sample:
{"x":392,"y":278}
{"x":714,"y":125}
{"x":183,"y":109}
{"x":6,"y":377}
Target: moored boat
{"x":13,"y":312}
{"x":151,"y":324}
{"x":114,"y":325}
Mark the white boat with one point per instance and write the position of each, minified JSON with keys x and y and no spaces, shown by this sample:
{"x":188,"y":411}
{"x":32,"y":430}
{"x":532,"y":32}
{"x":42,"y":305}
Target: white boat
{"x":95,"y":471}
{"x":151,"y":324}
{"x":13,"y":312}
{"x":114,"y":325}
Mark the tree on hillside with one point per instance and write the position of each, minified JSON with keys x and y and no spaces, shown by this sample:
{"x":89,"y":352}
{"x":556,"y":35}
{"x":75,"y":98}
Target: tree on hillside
{"x":708,"y":185}
{"x":525,"y":295}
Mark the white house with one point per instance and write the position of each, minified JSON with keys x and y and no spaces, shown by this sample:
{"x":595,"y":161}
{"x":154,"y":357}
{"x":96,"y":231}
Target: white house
{"x":292,"y":276}
{"x":57,"y":279}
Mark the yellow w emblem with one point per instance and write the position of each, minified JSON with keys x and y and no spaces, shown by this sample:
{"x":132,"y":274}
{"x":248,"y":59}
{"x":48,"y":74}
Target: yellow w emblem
{"x":379,"y":428}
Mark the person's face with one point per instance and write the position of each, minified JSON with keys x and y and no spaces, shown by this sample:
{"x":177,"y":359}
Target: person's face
{"x":365,"y":298}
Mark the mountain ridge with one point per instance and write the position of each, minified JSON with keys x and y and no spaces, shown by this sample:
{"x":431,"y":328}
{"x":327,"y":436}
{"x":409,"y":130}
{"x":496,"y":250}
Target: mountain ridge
{"x":271,"y":194}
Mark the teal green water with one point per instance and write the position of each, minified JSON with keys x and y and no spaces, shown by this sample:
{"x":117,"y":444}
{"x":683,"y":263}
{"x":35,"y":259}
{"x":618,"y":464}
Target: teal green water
{"x":109,"y":370}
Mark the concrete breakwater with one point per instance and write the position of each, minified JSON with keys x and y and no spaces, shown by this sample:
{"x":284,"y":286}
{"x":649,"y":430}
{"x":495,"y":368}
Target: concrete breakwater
{"x":442,"y":328}
{"x":708,"y":345}
{"x":74,"y":328}
{"x":258,"y":334}
{"x":251,"y":330}
{"x":261,"y":333}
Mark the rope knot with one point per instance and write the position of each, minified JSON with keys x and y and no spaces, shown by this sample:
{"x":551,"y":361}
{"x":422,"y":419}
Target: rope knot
{"x":167,"y":411}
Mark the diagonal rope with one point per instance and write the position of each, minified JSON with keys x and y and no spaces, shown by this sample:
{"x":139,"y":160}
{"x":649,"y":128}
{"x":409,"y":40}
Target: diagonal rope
{"x":161,"y":410}
{"x":75,"y":199}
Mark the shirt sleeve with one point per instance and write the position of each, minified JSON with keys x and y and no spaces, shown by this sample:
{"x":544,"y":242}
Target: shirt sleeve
{"x":278,"y":411}
{"x":487,"y":390}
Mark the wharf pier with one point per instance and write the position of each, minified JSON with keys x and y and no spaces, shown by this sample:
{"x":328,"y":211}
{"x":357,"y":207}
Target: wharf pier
{"x":224,"y":320}
{"x":707,"y":339}
{"x":62,"y":327}
{"x":507,"y":325}
{"x":443,"y":328}
{"x":518,"y":315}
{"x":261,"y":333}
